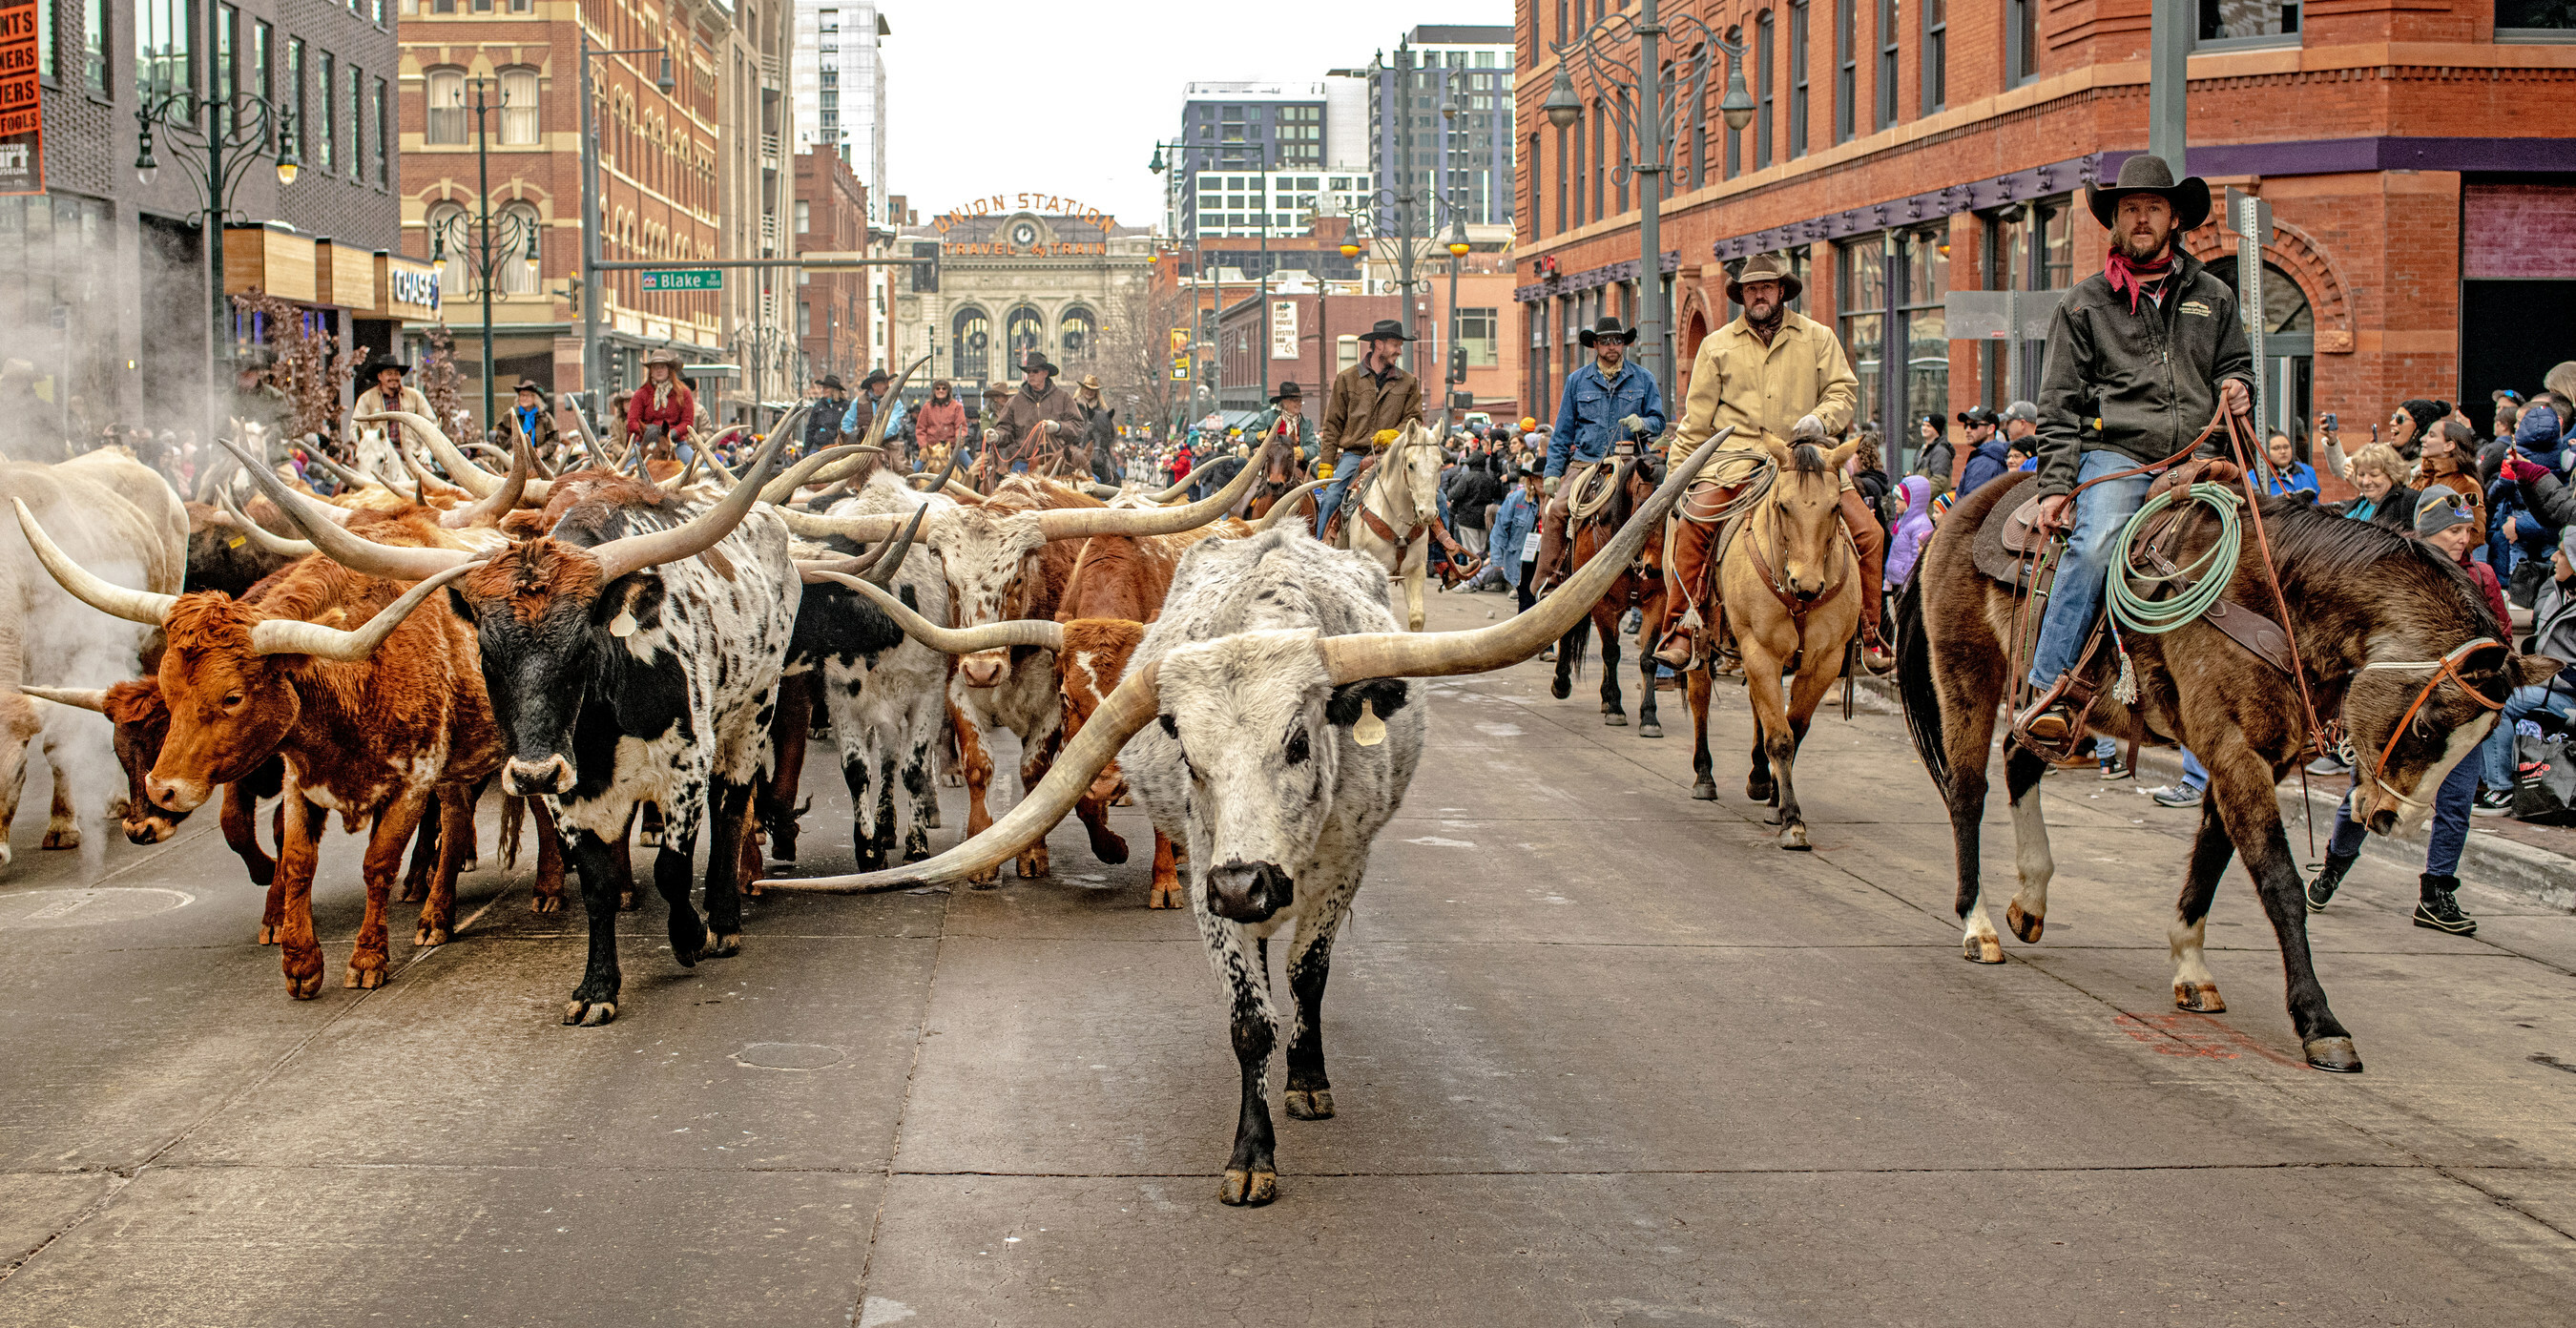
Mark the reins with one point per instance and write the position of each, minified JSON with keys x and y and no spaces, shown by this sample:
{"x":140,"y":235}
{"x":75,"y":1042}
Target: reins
{"x":2448,"y":666}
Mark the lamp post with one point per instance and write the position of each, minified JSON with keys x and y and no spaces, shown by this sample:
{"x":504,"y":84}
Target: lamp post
{"x":1610,"y":69}
{"x":1171,"y":168}
{"x":1457,"y":245}
{"x":487,"y":257}
{"x":590,"y":256}
{"x":230,"y":131}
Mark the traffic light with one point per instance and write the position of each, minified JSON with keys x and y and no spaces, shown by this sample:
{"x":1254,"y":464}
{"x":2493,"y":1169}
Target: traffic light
{"x":925,"y":276}
{"x":1457,"y":361}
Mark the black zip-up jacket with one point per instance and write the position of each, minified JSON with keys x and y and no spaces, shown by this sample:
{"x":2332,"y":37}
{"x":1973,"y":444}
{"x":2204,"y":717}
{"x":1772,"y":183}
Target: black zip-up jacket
{"x":2141,"y":384}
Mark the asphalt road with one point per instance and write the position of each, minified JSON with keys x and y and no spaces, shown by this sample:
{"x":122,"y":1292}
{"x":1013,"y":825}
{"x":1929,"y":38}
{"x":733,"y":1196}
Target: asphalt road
{"x":1602,"y":1055}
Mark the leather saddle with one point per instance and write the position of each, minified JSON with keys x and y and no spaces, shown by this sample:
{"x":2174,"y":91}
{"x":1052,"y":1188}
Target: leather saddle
{"x":2003,"y":541}
{"x":1352,"y":493}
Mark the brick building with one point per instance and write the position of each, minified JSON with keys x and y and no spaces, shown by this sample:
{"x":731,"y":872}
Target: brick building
{"x":832,"y":323}
{"x":103,"y":285}
{"x":2421,"y":167}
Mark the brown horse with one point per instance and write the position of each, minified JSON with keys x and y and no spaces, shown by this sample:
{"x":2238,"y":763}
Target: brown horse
{"x":1284,"y":468}
{"x":2389,"y":634}
{"x":1640,"y":584}
{"x":1789,"y":582}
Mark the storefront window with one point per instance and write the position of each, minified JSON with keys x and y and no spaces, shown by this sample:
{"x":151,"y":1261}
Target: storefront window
{"x":1925,"y":261}
{"x":1861,"y":295}
{"x":2547,"y":20}
{"x":2252,"y":22}
{"x":2029,"y":246}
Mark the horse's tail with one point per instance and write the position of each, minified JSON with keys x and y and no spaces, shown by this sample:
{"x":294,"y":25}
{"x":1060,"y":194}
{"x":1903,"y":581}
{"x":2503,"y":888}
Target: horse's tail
{"x":1914,"y":687}
{"x":1572,"y":646}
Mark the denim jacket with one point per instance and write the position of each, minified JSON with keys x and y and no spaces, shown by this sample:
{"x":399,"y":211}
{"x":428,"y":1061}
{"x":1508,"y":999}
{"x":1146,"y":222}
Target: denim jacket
{"x":1512,"y":525}
{"x":1587,"y":424}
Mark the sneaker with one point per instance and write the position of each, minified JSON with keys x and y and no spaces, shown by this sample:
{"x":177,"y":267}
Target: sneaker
{"x":2113,"y":768}
{"x":2493,"y":802}
{"x":1633,"y":622}
{"x":2439,"y":908}
{"x":2328,"y":765}
{"x":2321,"y":889}
{"x":2175,"y":795}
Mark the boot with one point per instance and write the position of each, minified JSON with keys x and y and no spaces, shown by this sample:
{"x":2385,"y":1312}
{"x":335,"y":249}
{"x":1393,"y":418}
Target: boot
{"x":1676,"y":650}
{"x":2329,"y":877}
{"x":2439,"y":908}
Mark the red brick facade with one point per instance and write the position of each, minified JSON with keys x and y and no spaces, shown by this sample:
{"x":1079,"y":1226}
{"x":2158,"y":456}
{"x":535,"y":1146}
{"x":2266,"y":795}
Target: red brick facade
{"x":832,"y":315}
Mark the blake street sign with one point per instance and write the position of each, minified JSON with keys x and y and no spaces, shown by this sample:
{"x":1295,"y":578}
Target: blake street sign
{"x":696,"y":278}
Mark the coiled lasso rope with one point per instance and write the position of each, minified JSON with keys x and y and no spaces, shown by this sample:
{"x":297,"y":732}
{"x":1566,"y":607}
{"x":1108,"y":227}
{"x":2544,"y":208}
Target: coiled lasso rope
{"x":2208,"y":574}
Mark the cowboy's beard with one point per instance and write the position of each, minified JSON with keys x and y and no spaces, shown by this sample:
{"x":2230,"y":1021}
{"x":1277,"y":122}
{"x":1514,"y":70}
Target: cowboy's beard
{"x":2142,"y":245}
{"x":1761,"y":311}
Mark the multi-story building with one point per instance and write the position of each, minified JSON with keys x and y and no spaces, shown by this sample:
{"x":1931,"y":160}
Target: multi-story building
{"x":841,"y":86}
{"x":756,"y":187}
{"x":1009,"y":282}
{"x":103,"y":289}
{"x":2416,"y":162}
{"x":833,"y":325}
{"x":1440,"y":113}
{"x":1262,"y":157}
{"x":682,"y":176}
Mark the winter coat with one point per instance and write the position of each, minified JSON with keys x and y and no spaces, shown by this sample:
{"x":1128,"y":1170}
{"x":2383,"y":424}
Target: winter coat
{"x":1993,"y":457}
{"x":1362,"y":406}
{"x":940,"y":422}
{"x":2396,"y":511}
{"x":677,"y":410}
{"x":1473,"y":489}
{"x":1512,"y":526}
{"x":2142,"y":384}
{"x":1764,"y":390}
{"x":1587,"y":423}
{"x":1912,"y":528}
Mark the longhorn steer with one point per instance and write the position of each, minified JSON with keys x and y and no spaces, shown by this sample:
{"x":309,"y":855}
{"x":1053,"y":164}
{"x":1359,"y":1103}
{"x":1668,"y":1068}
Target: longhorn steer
{"x":1275,"y":739}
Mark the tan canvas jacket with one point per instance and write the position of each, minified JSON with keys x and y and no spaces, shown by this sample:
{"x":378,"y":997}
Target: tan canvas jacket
{"x":1764,"y":390}
{"x":1359,"y":408}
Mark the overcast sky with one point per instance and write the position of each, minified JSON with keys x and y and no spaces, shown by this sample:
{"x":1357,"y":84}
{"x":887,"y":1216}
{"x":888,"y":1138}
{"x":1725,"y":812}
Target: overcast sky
{"x":1007,"y":96}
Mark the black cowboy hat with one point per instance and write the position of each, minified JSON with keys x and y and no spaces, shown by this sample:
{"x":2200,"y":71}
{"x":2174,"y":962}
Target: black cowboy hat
{"x":875,"y":376}
{"x":1039,"y":364}
{"x":1607,"y":327}
{"x":832,"y":381}
{"x":1764,"y":267}
{"x":378,"y":364}
{"x":1387,"y":329}
{"x":2147,"y":173}
{"x":1288,"y":391}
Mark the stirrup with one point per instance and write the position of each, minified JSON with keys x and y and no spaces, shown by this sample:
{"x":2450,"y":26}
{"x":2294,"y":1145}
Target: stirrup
{"x":2065,"y":703}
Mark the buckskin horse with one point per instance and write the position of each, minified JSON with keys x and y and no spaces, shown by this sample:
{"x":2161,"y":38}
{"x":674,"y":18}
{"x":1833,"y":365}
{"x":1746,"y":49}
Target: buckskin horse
{"x":2388,"y":634}
{"x":1593,"y":518}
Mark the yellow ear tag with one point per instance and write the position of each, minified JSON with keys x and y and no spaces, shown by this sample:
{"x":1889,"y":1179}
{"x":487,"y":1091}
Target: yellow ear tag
{"x":623,"y":625}
{"x":1368,"y":730}
{"x":236,"y":541}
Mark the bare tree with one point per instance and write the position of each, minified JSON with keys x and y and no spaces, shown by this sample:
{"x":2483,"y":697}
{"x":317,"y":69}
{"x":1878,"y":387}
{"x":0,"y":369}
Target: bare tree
{"x":1136,"y":354}
{"x":441,"y":380}
{"x":308,"y":364}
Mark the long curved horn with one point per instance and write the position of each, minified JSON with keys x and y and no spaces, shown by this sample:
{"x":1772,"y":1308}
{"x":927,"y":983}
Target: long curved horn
{"x":890,"y":555}
{"x":1440,"y":654}
{"x":689,"y":472}
{"x":473,"y":478}
{"x":355,"y":552}
{"x":1075,"y":522}
{"x":956,"y":640}
{"x":1128,"y":708}
{"x":621,"y":556}
{"x":1286,"y":501}
{"x":263,"y":536}
{"x":1172,"y":493}
{"x":207,"y":486}
{"x":861,"y":529}
{"x":786,"y":485}
{"x":491,"y":507}
{"x":89,"y":587}
{"x":292,"y":636}
{"x":1104,"y":492}
{"x":79,"y":698}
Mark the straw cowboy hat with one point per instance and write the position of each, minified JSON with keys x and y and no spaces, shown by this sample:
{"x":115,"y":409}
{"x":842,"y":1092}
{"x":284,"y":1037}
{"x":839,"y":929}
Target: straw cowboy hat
{"x":2147,"y":173}
{"x":1091,"y":382}
{"x":1764,"y":267}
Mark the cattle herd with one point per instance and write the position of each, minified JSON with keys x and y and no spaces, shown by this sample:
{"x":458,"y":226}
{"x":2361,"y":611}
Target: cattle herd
{"x":632,"y":640}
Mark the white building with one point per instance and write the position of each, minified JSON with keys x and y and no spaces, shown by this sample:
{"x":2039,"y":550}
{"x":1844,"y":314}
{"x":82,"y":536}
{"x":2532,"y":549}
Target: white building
{"x":840,"y":89}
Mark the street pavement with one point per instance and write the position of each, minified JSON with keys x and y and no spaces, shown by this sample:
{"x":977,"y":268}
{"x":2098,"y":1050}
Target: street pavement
{"x":1602,"y":1055}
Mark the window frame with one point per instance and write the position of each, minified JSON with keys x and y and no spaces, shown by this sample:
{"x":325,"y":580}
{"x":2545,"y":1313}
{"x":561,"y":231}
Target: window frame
{"x":2296,"y":35}
{"x":533,"y":112}
{"x":1798,"y":57}
{"x":1766,"y":77}
{"x":1936,"y":55}
{"x":2021,"y":42}
{"x":1891,"y":19}
{"x":1846,"y":69}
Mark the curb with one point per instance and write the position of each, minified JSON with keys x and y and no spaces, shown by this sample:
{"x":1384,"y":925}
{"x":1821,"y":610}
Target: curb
{"x":2533,"y":874}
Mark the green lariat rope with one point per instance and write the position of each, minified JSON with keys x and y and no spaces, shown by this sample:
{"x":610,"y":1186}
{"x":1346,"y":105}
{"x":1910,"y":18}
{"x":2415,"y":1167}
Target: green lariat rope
{"x":2208,"y":575}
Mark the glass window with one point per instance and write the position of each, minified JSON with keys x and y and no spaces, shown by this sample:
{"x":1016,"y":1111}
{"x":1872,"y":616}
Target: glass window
{"x":518,"y":107}
{"x":164,"y":61}
{"x":446,"y":226}
{"x":1763,"y":63}
{"x":227,"y":41}
{"x":1023,"y":332}
{"x":383,"y":107}
{"x":446,"y":120}
{"x":1936,"y":55}
{"x":94,"y":44}
{"x":1846,"y":69}
{"x":263,"y":73}
{"x":1480,"y":331}
{"x":1861,"y":295}
{"x":303,"y":127}
{"x":45,"y":38}
{"x":357,"y":132}
{"x":1924,"y":262}
{"x":518,"y":273}
{"x":2021,"y":41}
{"x":1797,"y":80}
{"x":2535,"y":16}
{"x":1887,"y":17}
{"x":330,"y":134}
{"x":2262,"y":22}
{"x":1078,"y":335}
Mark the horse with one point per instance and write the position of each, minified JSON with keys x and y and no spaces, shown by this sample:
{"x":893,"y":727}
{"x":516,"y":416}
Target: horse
{"x":1394,"y":508}
{"x":1631,"y":482}
{"x":1789,"y":584}
{"x":2381,"y":630}
{"x":1281,"y":474}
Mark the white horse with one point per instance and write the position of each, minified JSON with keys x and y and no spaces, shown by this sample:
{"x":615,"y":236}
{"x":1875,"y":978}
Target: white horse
{"x":1393,"y":510}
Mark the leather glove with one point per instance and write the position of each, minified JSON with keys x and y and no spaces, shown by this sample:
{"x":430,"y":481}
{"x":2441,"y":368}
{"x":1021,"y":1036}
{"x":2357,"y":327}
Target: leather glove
{"x":1548,"y":485}
{"x":1050,"y":428}
{"x":1808,"y":429}
{"x":1633,"y":424}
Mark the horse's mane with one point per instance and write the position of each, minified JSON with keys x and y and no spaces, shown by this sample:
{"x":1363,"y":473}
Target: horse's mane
{"x":1808,"y":459}
{"x":2340,"y":546}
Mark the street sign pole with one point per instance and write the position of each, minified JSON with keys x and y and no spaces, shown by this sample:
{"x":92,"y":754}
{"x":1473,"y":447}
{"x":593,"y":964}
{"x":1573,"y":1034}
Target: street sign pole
{"x":2251,"y":218}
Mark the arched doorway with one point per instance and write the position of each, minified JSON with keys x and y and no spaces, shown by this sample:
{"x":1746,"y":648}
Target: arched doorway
{"x":1024,"y":332}
{"x":970,"y":350}
{"x":2289,"y":343}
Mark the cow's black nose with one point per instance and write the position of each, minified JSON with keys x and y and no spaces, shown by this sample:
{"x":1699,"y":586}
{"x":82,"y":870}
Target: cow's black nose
{"x":1249,"y":891}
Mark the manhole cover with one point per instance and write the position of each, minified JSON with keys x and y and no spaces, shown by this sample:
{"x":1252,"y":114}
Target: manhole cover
{"x":85,"y":908}
{"x":789,"y":1055}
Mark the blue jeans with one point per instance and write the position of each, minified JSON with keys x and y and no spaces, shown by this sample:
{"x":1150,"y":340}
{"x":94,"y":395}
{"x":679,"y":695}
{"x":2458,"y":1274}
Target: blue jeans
{"x":1344,"y":471}
{"x":2195,"y":776}
{"x":2100,"y":512}
{"x":2450,"y":823}
{"x":2495,"y":755}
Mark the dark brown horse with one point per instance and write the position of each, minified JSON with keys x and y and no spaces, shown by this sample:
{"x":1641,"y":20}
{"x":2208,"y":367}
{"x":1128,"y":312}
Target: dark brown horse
{"x":1284,"y":468}
{"x":1639,"y":585}
{"x":2386,"y":631}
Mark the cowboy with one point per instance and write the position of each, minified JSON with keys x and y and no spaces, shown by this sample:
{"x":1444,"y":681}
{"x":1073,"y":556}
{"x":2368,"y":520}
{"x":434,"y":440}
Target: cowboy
{"x":528,"y":418}
{"x":1371,"y":397}
{"x":1039,"y":406}
{"x":386,"y":391}
{"x":1606,"y":404}
{"x":1100,"y":429}
{"x":2141,"y":357}
{"x":663,"y":402}
{"x":1286,"y":418}
{"x":939,"y":425}
{"x":862,"y":412}
{"x":1779,"y":378}
{"x":831,"y":398}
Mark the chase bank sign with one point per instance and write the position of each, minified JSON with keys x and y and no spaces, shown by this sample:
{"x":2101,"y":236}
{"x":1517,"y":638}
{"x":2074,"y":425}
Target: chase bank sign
{"x":414,"y":287}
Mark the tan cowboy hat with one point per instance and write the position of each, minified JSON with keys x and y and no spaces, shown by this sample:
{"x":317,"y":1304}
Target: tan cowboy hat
{"x":1091,"y":382}
{"x":668,"y":356}
{"x":1764,"y":267}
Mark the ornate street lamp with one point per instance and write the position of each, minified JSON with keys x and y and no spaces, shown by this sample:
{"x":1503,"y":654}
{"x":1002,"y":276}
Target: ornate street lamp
{"x":225,"y":135}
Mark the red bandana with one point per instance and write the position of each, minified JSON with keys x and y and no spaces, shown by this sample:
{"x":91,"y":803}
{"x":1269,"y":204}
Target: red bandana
{"x":2129,"y":277}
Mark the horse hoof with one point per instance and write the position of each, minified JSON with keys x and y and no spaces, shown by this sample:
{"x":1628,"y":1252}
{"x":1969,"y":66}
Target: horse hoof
{"x":2200,"y":998}
{"x":546,"y":904}
{"x":1248,"y":1189}
{"x":589,"y":1014}
{"x":1560,"y":689}
{"x":1982,"y":950}
{"x":1305,"y":1105}
{"x":724,"y":945}
{"x":1794,"y":837}
{"x":2334,"y":1055}
{"x":1705,"y":791}
{"x":67,"y":837}
{"x":2027,"y":926}
{"x":626,"y":901}
{"x":427,"y":935}
{"x":1615,"y":720}
{"x":267,"y":935}
{"x":1761,"y":793}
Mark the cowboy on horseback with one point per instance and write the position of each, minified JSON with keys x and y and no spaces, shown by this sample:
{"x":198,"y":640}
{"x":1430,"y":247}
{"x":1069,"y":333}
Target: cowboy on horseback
{"x":1286,"y":418}
{"x":1606,"y":404}
{"x":1780,"y":379}
{"x":2141,"y":355}
{"x":1375,"y":396}
{"x":1043,"y":406}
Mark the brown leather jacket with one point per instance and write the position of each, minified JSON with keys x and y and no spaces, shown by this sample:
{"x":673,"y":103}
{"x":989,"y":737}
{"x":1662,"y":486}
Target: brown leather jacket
{"x":1022,"y":410}
{"x":1361,"y":406}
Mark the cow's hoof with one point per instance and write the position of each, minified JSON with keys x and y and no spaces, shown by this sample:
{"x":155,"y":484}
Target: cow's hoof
{"x":304,"y":974}
{"x":66,"y":837}
{"x":989,"y":881}
{"x":688,"y":953}
{"x":930,"y":819}
{"x":649,"y":839}
{"x":2335,"y":1055}
{"x":366,"y":978}
{"x":546,"y":904}
{"x":1248,"y":1189}
{"x":625,"y":901}
{"x":1705,"y":790}
{"x":952,"y":780}
{"x":1982,"y":950}
{"x":1306,"y":1105}
{"x":589,"y":1014}
{"x":267,"y":935}
{"x":1560,"y":689}
{"x":1793,"y":836}
{"x":1650,"y":729}
{"x":412,"y":893}
{"x":1033,"y":864}
{"x":1615,"y":720}
{"x":471,"y":864}
{"x":1162,"y":898}
{"x":2027,"y":926}
{"x":723,"y":945}
{"x":428,"y":934}
{"x":2201,"y":998}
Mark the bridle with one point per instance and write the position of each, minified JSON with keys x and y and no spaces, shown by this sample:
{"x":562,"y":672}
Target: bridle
{"x":2445,"y":668}
{"x":1798,"y":609}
